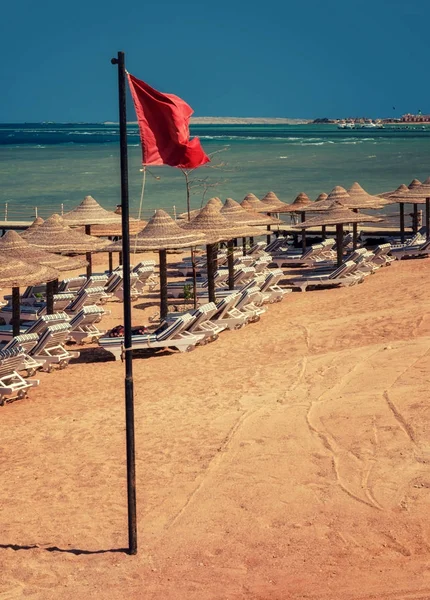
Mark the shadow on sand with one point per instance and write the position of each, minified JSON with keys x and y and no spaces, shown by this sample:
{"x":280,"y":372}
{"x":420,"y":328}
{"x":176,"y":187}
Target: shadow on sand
{"x":76,"y":551}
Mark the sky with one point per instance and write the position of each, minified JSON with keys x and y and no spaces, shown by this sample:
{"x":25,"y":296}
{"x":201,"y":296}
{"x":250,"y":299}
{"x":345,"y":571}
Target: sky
{"x":301,"y":59}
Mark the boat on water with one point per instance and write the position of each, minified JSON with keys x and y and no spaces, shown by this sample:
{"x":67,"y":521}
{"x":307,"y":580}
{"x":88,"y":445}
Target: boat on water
{"x":371,"y":125}
{"x":346,"y":125}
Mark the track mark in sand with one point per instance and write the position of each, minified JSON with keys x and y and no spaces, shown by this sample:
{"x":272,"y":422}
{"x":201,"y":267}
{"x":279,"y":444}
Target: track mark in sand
{"x":367,"y":489}
{"x":333,"y":447}
{"x":423,"y":594}
{"x":400,"y":418}
{"x":307,"y":334}
{"x":292,"y":387}
{"x":216,"y":460}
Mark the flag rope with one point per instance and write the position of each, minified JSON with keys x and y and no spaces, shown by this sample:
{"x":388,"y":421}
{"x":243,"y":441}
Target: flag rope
{"x":139,"y":214}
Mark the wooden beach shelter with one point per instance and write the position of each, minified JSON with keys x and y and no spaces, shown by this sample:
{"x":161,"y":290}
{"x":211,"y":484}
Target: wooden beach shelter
{"x":337,"y":214}
{"x":403,"y":195}
{"x":36,"y":223}
{"x":215,"y":201}
{"x":274,"y":206}
{"x":54,"y":236}
{"x":239,"y":216}
{"x":358,"y":199}
{"x":420,"y":194}
{"x":216,"y":228}
{"x":15,"y":273}
{"x":162,"y":233}
{"x":251,"y":202}
{"x":89,"y":212}
{"x":272,"y":201}
{"x":300,"y":205}
{"x":16,"y":247}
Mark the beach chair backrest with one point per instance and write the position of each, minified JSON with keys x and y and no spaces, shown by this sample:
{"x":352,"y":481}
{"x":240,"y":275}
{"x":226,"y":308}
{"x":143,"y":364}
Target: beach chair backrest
{"x":52,"y":336}
{"x":11,"y":360}
{"x":175,"y":327}
{"x":88,"y":314}
{"x":247,"y":296}
{"x":72,"y":284}
{"x":144,"y":264}
{"x":343,"y":270}
{"x":113,"y":283}
{"x":357,"y":253}
{"x":224,"y":305}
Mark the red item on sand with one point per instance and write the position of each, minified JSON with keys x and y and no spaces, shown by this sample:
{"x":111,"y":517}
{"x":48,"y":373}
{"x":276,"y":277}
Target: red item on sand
{"x":164,"y":128}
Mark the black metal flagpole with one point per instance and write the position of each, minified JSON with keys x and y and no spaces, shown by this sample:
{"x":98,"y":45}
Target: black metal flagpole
{"x":129,"y":400}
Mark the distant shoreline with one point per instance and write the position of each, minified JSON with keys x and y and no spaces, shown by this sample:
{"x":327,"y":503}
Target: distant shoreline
{"x":236,"y":121}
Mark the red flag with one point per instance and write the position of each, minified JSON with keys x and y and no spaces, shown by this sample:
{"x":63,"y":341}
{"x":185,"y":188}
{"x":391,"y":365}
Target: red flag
{"x":164,"y":128}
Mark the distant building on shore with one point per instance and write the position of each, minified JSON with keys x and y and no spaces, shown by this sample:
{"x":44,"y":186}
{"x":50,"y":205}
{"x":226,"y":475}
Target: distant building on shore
{"x":419,"y":118}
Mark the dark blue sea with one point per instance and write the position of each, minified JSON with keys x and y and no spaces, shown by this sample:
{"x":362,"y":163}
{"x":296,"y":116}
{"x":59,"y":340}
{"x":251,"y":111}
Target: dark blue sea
{"x":52,"y":166}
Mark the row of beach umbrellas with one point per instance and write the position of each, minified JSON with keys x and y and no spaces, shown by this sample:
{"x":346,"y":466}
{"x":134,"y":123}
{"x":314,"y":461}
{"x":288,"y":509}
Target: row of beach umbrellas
{"x":45,"y":243}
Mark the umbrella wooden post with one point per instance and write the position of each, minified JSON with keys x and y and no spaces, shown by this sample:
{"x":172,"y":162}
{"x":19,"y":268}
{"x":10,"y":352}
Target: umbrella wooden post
{"x":427,"y":218}
{"x":251,"y":241}
{"x":324,"y":235}
{"x":230,"y":262}
{"x":244,"y":246}
{"x":88,"y":254}
{"x":16,"y":311}
{"x":339,"y":244}
{"x":120,"y":259}
{"x":129,"y":394}
{"x":55,"y":286}
{"x":302,"y":218}
{"x":110,"y":262}
{"x":269,"y":235}
{"x":211,"y":271}
{"x":354,"y":232}
{"x":415,"y":219}
{"x":50,"y":298}
{"x":163,"y":284}
{"x":402,"y":222}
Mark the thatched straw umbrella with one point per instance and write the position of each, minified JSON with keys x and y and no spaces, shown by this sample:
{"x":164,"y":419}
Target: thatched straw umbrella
{"x":14,"y":246}
{"x":15,"y":273}
{"x":239,"y":216}
{"x":215,"y":201}
{"x":36,"y":223}
{"x":162,"y":233}
{"x":420,"y":194}
{"x":251,"y":202}
{"x":300,"y":206}
{"x":274,"y":206}
{"x":89,"y":212}
{"x":216,"y":228}
{"x":233,"y":211}
{"x":338,"y":214}
{"x":403,"y":195}
{"x":360,"y":199}
{"x":54,"y":236}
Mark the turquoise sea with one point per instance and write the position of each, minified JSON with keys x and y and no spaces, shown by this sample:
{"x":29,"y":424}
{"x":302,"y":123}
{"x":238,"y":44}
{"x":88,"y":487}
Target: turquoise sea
{"x":53,"y":166}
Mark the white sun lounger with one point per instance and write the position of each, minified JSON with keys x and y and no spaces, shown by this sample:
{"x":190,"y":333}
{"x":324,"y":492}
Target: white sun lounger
{"x":34,"y":311}
{"x":39,"y":326}
{"x":12,"y":384}
{"x":25,"y":343}
{"x":176,"y":288}
{"x":83,"y":324}
{"x":227,"y":314}
{"x":342,"y":276}
{"x":418,"y":251}
{"x":50,"y":347}
{"x":168,"y":335}
{"x":270,"y":289}
{"x":250,"y":304}
{"x":201,"y":323}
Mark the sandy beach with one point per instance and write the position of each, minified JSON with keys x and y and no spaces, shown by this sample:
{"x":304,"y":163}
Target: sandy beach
{"x":287,"y":460}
